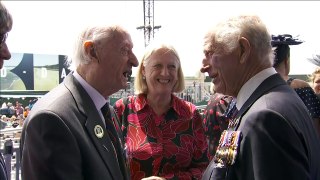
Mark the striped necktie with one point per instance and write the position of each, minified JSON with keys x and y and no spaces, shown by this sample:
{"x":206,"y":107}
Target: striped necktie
{"x":110,"y":126}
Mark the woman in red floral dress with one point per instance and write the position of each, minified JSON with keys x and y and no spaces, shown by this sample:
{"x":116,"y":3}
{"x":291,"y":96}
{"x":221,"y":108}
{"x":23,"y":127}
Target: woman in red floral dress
{"x":163,"y":134}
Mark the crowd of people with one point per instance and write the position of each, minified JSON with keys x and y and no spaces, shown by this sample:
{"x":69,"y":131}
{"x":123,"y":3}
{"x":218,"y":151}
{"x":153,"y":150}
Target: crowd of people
{"x":14,"y":115}
{"x":259,"y":123}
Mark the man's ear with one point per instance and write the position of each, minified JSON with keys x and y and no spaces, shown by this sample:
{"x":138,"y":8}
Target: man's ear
{"x":287,"y":64}
{"x":89,"y":48}
{"x":245,"y":49}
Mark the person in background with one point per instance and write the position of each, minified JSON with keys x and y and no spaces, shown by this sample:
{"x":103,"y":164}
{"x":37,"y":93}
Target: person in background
{"x":314,"y":80}
{"x":12,"y":110}
{"x":272,"y":135}
{"x":19,"y":109}
{"x":4,"y":110}
{"x":215,"y":120}
{"x":3,"y":124}
{"x":31,"y":103}
{"x":5,"y":27}
{"x":164,"y":134}
{"x":69,"y":133}
{"x":281,"y":44}
{"x":26,"y":111}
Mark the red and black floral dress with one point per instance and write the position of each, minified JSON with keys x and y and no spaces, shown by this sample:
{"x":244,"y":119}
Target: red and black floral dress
{"x":215,"y":120}
{"x":172,"y":145}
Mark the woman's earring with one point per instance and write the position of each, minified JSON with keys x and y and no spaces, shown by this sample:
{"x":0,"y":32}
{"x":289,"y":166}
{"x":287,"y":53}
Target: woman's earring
{"x":143,"y":77}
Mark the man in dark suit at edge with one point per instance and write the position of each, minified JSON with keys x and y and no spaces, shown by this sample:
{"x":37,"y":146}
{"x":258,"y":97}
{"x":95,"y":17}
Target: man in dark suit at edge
{"x":66,"y":136}
{"x":5,"y":27}
{"x":272,"y":135}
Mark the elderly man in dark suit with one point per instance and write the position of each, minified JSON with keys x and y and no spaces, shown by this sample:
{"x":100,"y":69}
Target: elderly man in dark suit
{"x":272,"y":135}
{"x":66,"y":135}
{"x":5,"y":27}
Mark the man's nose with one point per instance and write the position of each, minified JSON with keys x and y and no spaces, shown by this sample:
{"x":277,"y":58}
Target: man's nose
{"x":205,"y":65}
{"x":4,"y":51}
{"x":134,"y":61}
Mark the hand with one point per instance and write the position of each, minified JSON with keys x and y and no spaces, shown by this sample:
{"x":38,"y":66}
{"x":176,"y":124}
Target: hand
{"x":153,"y":178}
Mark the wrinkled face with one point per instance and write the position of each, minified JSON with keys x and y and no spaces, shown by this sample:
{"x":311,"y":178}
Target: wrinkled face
{"x":116,"y":59}
{"x":161,"y":72}
{"x":221,"y":68}
{"x":316,"y":84}
{"x":4,"y":51}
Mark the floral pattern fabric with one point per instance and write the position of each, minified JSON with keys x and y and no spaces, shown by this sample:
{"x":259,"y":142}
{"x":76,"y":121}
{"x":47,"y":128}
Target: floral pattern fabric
{"x":171,"y":145}
{"x":215,"y":120}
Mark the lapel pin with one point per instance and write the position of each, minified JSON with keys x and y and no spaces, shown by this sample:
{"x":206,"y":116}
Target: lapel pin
{"x":98,"y":131}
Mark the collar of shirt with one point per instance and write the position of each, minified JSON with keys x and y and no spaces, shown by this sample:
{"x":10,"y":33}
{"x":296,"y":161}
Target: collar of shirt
{"x":96,"y":97}
{"x":178,"y":105}
{"x":252,"y":84}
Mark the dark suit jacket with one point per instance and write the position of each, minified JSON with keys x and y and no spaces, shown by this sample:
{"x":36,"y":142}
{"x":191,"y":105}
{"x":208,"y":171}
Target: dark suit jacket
{"x":3,"y":172}
{"x":59,"y":141}
{"x":279,"y":140}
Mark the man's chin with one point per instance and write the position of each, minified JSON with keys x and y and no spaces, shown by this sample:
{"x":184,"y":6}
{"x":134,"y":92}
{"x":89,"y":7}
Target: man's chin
{"x":219,"y":90}
{"x":125,"y":85}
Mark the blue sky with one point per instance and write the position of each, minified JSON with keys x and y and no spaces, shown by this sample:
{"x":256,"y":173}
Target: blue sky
{"x":49,"y":27}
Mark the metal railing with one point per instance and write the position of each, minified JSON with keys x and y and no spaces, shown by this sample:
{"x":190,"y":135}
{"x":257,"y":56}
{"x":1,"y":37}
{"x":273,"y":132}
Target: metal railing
{"x":10,"y":148}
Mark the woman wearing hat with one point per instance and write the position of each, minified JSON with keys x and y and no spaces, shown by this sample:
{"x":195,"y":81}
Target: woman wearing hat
{"x":281,"y":44}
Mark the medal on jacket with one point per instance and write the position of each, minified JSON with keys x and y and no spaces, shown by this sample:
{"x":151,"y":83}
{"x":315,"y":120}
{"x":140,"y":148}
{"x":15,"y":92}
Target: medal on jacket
{"x":228,"y":148}
{"x":98,"y":131}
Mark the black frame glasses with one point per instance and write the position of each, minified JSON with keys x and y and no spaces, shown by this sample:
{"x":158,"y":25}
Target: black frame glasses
{"x":3,"y":38}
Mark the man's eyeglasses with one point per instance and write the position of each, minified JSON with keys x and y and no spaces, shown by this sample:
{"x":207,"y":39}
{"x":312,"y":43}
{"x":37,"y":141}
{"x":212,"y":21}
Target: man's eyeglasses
{"x":3,"y":38}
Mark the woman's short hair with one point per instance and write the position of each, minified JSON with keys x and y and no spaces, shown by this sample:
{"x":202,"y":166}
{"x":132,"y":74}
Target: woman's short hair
{"x":140,"y":84}
{"x":312,"y":76}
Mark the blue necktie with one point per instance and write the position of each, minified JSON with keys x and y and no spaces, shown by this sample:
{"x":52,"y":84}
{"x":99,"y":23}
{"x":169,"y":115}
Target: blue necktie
{"x":232,"y":110}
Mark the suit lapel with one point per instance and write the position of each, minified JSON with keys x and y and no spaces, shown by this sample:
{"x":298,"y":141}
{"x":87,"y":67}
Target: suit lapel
{"x":216,"y":172}
{"x":263,"y":88}
{"x":102,"y":143}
